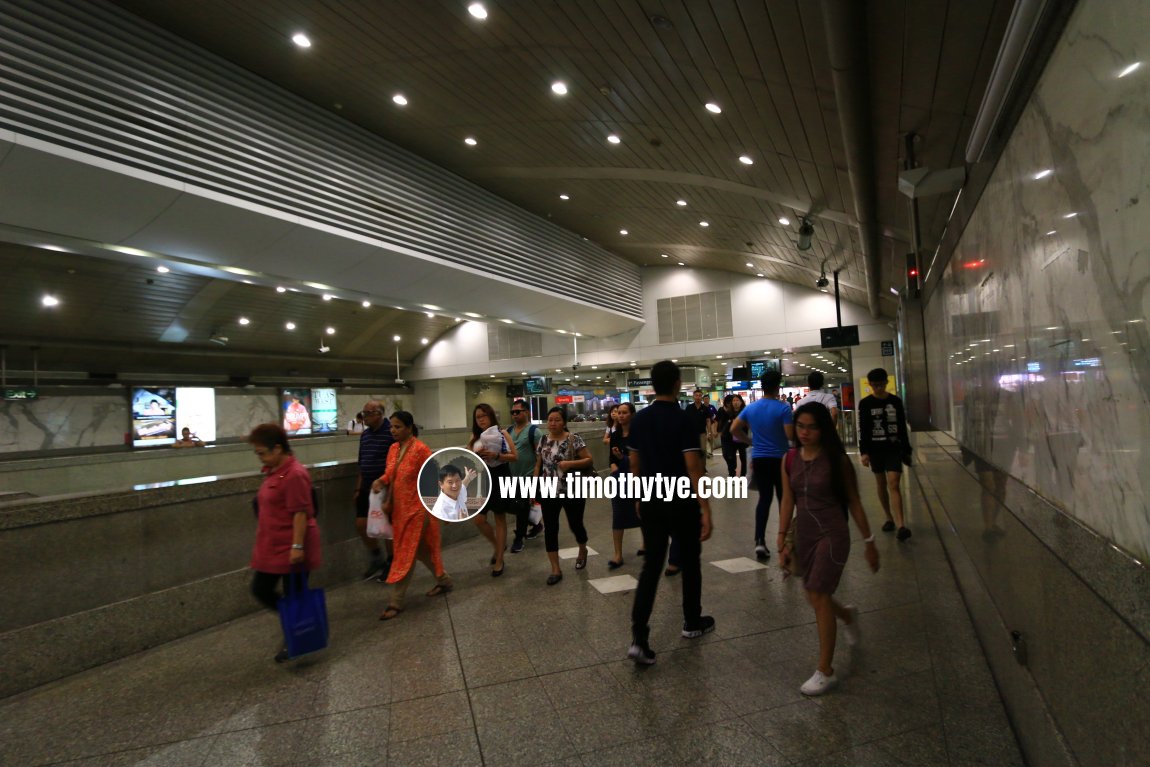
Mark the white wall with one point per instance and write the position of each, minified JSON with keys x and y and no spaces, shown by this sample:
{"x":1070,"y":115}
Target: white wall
{"x":766,"y":314}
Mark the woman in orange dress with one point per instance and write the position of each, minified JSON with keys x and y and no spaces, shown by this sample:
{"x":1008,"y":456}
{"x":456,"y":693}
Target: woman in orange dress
{"x":416,"y":531}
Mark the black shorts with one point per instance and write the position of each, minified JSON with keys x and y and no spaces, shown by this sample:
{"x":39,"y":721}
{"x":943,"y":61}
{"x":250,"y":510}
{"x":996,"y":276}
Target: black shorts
{"x":363,"y":499}
{"x":886,"y":458}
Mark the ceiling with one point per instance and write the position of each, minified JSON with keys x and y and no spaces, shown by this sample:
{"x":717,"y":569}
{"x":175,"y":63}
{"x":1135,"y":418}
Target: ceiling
{"x":639,"y":70}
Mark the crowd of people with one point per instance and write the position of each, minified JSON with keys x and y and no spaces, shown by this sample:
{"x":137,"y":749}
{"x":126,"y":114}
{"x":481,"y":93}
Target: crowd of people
{"x":797,"y":461}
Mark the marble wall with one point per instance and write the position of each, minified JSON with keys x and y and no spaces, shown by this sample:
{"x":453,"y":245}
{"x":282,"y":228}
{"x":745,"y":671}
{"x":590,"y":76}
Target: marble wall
{"x":1041,"y":317}
{"x":85,"y":417}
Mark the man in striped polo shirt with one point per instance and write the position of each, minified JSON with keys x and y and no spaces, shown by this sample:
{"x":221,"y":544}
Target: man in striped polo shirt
{"x":374,"y":442}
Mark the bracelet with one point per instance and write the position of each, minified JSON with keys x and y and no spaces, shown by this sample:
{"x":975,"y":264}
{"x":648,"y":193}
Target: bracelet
{"x":869,"y":540}
{"x":297,"y":546}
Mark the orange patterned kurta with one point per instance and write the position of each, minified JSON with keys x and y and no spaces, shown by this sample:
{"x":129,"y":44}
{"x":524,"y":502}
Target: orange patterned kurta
{"x":408,"y":515}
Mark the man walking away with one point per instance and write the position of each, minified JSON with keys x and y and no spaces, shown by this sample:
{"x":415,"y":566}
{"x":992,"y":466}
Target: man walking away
{"x":884,"y":444}
{"x":772,"y":434}
{"x":374,"y":442}
{"x":664,"y":441}
{"x":818,"y":394}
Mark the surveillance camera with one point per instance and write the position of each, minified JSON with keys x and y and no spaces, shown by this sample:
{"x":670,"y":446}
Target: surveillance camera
{"x":324,"y":349}
{"x":822,"y":282}
{"x":806,"y":231}
{"x":574,"y":367}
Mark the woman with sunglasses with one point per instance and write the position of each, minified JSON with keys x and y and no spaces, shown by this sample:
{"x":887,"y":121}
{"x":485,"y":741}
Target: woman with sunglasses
{"x":819,"y":487}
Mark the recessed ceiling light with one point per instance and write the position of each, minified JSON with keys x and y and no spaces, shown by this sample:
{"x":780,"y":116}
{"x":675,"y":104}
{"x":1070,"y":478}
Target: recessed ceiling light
{"x":785,"y":221}
{"x":760,"y":274}
{"x":559,"y":88}
{"x":244,"y":321}
{"x":477,"y":10}
{"x":1070,"y":215}
{"x":281,"y":289}
{"x":1052,"y":231}
{"x":327,"y":296}
{"x":704,"y":223}
{"x":664,"y":255}
{"x":508,"y":322}
{"x":1042,"y":174}
{"x":397,"y":339}
{"x":564,"y":332}
{"x":681,"y":203}
{"x":713,"y":108}
{"x":557,"y":370}
{"x":473,"y":314}
{"x":745,"y":160}
{"x":430,"y":316}
{"x":366,"y":304}
{"x":331,"y":331}
{"x":623,"y":232}
{"x":1053,"y":327}
{"x":300,"y":39}
{"x":750,"y":264}
{"x":163,"y":269}
{"x":491,"y":376}
{"x":400,"y":99}
{"x":50,"y":301}
{"x":718,"y":356}
{"x":564,"y":197}
{"x":470,"y":141}
{"x":289,"y":325}
{"x":424,"y":341}
{"x":613,"y":139}
{"x":594,"y":367}
{"x":681,"y":264}
{"x":1130,"y":69}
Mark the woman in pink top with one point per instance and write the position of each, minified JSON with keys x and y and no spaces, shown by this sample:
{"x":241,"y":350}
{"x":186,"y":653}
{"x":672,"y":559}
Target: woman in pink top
{"x":287,"y":538}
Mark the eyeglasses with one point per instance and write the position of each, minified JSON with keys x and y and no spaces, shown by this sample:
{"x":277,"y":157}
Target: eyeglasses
{"x":803,"y":426}
{"x":517,"y":412}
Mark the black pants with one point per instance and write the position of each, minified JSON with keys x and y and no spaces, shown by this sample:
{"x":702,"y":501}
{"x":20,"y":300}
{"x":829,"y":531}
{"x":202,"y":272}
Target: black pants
{"x":574,"y":508}
{"x":730,"y":450}
{"x":522,"y":512}
{"x":662,"y":521}
{"x":264,"y":589}
{"x":768,"y":479}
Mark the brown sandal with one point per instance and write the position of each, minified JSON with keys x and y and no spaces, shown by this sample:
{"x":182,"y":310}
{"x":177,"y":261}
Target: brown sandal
{"x":439,"y":589}
{"x":390,"y":612}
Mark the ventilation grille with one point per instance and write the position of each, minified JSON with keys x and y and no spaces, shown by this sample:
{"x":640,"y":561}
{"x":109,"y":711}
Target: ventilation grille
{"x":696,"y":317}
{"x":95,"y":79}
{"x":508,"y":343}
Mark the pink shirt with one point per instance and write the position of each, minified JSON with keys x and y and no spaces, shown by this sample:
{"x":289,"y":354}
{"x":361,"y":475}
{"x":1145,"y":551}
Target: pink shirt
{"x":285,"y":491}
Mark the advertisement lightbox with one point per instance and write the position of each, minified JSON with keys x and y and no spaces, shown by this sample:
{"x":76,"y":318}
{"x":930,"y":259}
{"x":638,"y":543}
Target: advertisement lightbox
{"x":324,"y":411}
{"x":196,"y":410}
{"x":153,"y":416}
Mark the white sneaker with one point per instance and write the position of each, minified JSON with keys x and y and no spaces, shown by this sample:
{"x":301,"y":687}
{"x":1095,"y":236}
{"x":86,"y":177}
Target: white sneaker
{"x":851,"y":631}
{"x":761,"y":552}
{"x":819,"y":684}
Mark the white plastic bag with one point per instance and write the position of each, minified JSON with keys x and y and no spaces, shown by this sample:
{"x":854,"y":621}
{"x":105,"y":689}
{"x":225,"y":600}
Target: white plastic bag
{"x":378,"y":525}
{"x":535,"y":515}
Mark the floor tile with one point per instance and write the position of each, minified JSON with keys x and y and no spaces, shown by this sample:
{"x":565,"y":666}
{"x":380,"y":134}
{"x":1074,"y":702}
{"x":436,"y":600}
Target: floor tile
{"x":614,"y":583}
{"x":573,"y":553}
{"x":739,"y":565}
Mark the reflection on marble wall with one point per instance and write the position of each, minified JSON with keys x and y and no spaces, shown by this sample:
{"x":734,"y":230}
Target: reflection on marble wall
{"x":59,"y":421}
{"x":237,"y":411}
{"x":1043,"y":321}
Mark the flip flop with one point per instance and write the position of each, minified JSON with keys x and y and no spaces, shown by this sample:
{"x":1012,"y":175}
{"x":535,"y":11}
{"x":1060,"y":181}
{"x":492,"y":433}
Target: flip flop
{"x":580,"y":563}
{"x":439,"y":589}
{"x":390,"y":613}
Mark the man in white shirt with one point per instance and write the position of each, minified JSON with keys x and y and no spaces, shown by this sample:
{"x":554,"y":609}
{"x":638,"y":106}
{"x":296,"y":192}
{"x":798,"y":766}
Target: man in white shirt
{"x":451,"y":505}
{"x":819,"y":394}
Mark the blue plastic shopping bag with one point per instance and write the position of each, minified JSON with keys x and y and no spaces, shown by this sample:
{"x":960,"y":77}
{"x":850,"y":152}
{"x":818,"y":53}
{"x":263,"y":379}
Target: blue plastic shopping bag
{"x":303,"y":615}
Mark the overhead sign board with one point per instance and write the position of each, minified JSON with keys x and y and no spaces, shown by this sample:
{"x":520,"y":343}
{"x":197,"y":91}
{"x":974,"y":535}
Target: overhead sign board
{"x":25,"y":393}
{"x":844,"y":335}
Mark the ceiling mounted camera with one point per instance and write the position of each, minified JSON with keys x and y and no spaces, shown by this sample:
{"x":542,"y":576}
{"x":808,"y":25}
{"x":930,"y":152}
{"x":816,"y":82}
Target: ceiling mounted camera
{"x":822,"y":281}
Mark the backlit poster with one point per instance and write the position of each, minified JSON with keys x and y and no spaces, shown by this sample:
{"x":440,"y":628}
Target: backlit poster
{"x":196,"y":411}
{"x":324,"y":412}
{"x":153,"y":416}
{"x":296,"y":405}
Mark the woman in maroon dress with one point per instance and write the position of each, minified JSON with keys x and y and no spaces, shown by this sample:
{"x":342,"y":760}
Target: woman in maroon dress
{"x":287,"y":538}
{"x":819,"y":486}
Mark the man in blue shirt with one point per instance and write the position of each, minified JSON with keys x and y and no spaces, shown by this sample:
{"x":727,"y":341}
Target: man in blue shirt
{"x":664,"y":442}
{"x":772,"y":433}
{"x":374,"y":442}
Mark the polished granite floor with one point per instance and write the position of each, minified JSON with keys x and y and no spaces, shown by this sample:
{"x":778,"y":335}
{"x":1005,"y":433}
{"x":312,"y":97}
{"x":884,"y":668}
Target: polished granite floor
{"x":510,"y":672}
